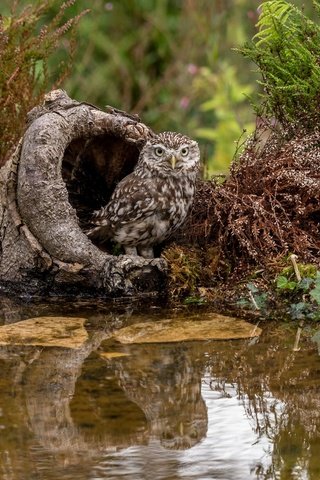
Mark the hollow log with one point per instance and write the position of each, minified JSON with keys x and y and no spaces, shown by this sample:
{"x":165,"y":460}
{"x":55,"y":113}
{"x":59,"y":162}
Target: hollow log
{"x":66,"y":166}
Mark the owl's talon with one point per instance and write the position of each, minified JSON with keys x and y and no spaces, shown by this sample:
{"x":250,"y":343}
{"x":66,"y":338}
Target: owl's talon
{"x":131,"y":251}
{"x":146,"y":252}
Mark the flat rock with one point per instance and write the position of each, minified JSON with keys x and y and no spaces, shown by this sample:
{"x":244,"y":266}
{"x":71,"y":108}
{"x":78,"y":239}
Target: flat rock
{"x":66,"y":332}
{"x":213,"y":327}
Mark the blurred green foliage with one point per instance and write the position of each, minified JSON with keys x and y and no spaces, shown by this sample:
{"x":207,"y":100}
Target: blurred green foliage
{"x":170,"y":61}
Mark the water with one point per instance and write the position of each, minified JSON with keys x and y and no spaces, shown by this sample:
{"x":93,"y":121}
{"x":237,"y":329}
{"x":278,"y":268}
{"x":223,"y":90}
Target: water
{"x":227,"y":410}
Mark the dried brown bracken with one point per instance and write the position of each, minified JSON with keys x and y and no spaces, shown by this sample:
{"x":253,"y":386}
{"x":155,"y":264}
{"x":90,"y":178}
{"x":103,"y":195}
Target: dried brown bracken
{"x":268,"y":206}
{"x":25,"y":54}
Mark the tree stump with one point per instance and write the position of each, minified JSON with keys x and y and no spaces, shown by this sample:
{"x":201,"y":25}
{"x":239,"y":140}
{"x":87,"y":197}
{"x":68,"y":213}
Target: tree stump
{"x":67,"y":165}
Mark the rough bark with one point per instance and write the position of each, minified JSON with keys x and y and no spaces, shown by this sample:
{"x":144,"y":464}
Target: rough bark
{"x":67,"y":165}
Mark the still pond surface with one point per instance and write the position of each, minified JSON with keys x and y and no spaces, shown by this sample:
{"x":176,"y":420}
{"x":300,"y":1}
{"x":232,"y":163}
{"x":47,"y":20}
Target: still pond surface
{"x":231,"y":410}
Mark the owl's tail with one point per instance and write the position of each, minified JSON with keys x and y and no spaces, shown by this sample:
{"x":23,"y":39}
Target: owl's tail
{"x":98,"y":229}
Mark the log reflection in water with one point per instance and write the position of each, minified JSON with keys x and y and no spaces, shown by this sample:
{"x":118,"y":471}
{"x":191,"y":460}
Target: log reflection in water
{"x":70,"y":405}
{"x":158,"y":396}
{"x":165,"y":381}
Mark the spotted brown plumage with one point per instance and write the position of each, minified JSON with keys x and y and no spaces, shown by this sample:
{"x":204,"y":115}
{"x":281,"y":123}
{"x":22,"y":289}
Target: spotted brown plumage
{"x":148,"y":205}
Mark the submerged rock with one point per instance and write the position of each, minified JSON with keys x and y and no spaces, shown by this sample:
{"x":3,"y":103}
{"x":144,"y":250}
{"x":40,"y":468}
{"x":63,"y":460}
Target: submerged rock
{"x":215,"y":327}
{"x":66,"y":332}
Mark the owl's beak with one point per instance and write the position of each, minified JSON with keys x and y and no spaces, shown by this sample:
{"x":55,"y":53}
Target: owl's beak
{"x":173,"y":161}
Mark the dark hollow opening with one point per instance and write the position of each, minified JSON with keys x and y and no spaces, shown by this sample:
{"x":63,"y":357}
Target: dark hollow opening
{"x":91,"y":170}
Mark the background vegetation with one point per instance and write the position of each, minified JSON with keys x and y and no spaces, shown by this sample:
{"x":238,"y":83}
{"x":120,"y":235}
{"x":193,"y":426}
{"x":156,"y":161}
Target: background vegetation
{"x":286,"y":50}
{"x":170,"y":61}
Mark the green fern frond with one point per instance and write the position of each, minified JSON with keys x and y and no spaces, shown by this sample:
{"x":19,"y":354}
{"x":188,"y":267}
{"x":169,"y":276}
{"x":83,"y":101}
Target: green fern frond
{"x":286,"y":50}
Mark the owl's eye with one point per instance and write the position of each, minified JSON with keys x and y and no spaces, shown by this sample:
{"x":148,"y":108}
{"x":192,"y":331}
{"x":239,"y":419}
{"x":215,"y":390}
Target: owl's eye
{"x":184,"y":151}
{"x":159,"y":151}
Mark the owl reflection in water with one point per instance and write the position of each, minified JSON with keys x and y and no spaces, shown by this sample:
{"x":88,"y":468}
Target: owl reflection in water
{"x":148,"y":205}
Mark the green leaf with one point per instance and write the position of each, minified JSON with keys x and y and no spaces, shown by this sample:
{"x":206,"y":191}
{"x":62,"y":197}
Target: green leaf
{"x":282,"y":282}
{"x":299,"y":310}
{"x":306,"y":283}
{"x":261,"y":300}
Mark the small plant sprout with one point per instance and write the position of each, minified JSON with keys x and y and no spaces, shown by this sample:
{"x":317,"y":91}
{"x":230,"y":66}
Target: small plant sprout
{"x":294,"y":259}
{"x":300,"y":283}
{"x":296,"y":347}
{"x":253,"y":300}
{"x":257,"y":298}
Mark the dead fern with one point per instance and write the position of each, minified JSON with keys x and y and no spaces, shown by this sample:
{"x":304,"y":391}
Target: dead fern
{"x":268,"y":206}
{"x":26,"y":46}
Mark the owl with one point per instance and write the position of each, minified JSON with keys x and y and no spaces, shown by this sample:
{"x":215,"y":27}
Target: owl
{"x":149,"y":204}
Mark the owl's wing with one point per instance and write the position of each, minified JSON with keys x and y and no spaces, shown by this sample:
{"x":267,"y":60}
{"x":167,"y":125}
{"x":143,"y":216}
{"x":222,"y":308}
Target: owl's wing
{"x":133,"y":199}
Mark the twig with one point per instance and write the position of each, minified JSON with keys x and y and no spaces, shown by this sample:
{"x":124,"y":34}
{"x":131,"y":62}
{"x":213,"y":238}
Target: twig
{"x":253,"y":333}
